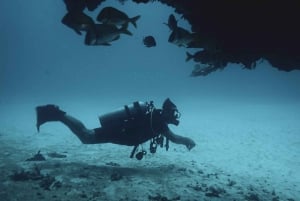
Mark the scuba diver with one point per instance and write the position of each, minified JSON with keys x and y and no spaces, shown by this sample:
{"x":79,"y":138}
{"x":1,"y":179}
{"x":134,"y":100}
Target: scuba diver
{"x":131,"y":125}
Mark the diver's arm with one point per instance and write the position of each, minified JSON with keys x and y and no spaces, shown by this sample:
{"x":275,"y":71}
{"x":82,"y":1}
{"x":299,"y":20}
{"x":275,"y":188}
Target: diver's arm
{"x":177,"y":139}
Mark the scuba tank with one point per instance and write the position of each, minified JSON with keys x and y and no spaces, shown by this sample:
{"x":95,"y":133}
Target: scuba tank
{"x":121,"y":120}
{"x":123,"y":116}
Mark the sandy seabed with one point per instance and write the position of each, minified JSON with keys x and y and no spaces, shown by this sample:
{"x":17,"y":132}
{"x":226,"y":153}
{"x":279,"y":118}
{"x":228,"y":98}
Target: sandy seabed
{"x":244,"y":152}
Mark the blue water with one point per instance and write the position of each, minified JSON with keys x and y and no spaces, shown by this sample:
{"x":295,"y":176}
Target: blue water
{"x":42,"y":61}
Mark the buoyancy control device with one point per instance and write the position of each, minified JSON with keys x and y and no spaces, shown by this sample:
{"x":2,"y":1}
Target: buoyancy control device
{"x":131,"y":112}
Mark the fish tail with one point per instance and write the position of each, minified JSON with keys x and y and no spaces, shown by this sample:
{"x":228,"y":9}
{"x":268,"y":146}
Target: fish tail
{"x":134,"y":19}
{"x":188,"y":56}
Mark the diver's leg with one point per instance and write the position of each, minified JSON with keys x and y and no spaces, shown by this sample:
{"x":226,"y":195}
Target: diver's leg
{"x":86,"y":136}
{"x":49,"y":113}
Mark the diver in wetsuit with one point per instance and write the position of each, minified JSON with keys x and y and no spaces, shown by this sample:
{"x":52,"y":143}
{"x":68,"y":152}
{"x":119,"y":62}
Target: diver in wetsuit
{"x":132,"y":125}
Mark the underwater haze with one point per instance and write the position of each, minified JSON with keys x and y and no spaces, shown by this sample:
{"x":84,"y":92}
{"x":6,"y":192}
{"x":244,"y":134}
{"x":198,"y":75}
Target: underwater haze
{"x":245,"y":122}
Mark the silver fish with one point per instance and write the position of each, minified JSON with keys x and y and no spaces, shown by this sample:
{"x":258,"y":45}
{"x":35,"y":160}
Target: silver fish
{"x":181,"y":37}
{"x":149,"y":41}
{"x":203,"y":70}
{"x":104,"y":34}
{"x":110,"y":15}
{"x":78,"y":21}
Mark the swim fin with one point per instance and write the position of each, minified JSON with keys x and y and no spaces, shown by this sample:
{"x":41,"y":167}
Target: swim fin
{"x":47,"y":113}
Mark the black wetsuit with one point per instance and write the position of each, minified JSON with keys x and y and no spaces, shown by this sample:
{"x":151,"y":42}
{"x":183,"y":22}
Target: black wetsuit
{"x":135,"y":131}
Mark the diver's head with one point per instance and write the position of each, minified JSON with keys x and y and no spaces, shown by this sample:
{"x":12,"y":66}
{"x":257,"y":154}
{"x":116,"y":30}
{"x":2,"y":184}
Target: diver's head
{"x":170,"y":113}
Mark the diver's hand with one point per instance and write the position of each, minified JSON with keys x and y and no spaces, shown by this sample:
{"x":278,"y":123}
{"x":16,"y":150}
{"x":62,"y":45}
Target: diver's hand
{"x":189,"y":143}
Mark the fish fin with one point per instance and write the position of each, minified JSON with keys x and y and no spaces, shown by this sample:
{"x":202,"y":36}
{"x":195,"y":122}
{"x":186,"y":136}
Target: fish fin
{"x":116,"y":38}
{"x":125,"y":31}
{"x":167,"y":25}
{"x":90,"y":38}
{"x":68,"y":24}
{"x":188,"y":56}
{"x":124,"y":26}
{"x":134,"y":19}
{"x":105,"y":44}
{"x":77,"y":31}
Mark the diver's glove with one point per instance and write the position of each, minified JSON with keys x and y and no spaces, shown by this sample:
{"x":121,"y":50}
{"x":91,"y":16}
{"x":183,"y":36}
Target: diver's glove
{"x":189,"y":143}
{"x":47,"y":113}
